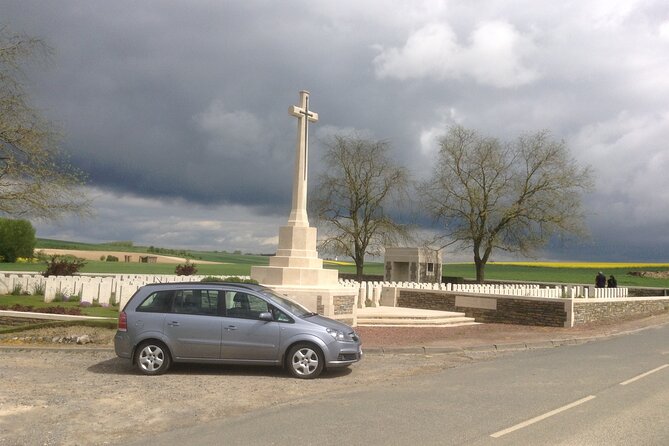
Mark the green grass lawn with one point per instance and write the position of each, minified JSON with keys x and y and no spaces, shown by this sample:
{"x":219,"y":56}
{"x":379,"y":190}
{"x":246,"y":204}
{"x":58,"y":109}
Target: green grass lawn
{"x":38,"y":302}
{"x":242,"y":267}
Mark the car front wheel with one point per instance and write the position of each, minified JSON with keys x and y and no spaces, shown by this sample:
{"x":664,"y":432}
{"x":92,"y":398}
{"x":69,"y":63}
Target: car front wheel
{"x":305,"y":361}
{"x":152,"y":358}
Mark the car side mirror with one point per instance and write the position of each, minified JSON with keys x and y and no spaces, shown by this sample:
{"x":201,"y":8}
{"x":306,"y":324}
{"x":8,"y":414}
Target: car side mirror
{"x":266,"y":316}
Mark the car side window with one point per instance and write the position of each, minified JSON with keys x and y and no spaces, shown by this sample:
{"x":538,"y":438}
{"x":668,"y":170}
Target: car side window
{"x":280,"y":316}
{"x":204,"y":302}
{"x":244,"y":305}
{"x":158,"y":302}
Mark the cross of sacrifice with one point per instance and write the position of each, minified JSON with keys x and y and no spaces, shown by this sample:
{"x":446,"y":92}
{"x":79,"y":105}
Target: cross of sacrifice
{"x":298,"y":213}
{"x":304,"y":116}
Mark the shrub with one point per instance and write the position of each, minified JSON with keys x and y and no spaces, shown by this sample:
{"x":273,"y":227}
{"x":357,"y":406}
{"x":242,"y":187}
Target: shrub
{"x":39,"y":288}
{"x":26,"y":260}
{"x":17,"y":239}
{"x":187,"y":269}
{"x":17,"y":289}
{"x":212,"y":279}
{"x":61,"y":296}
{"x":231,"y":279}
{"x":111,"y":258}
{"x":63,"y":266}
{"x":74,"y":298}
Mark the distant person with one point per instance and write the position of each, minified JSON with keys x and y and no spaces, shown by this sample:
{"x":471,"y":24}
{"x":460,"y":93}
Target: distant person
{"x":612,"y":282}
{"x":600,"y":280}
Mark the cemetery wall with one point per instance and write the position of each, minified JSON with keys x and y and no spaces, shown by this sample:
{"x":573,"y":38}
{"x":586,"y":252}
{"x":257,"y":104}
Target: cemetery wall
{"x":344,"y":306}
{"x":549,"y":312}
{"x":490,"y":308}
{"x":613,"y":310}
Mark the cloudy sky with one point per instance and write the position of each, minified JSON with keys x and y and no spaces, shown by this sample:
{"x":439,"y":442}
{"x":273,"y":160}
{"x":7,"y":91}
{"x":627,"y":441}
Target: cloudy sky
{"x":178,"y":110}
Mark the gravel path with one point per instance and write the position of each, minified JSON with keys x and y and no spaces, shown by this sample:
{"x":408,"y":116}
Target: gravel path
{"x":83,"y":397}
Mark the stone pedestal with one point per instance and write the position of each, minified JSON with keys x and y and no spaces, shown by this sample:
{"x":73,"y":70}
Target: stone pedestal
{"x":296,"y":262}
{"x":298,"y":273}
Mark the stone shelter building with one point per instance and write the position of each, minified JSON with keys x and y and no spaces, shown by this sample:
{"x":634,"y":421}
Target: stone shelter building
{"x":421,"y":265}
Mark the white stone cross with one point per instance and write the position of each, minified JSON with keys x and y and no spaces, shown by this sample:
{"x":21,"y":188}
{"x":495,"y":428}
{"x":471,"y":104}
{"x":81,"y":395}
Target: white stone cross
{"x":298,"y":213}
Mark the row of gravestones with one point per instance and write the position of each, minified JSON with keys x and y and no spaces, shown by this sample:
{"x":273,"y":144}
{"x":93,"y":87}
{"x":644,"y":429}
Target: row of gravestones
{"x":117,"y":289}
{"x":104,"y":290}
{"x":370,"y":293}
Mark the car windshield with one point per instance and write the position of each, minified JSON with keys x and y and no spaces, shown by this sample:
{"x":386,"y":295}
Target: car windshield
{"x":292,"y":306}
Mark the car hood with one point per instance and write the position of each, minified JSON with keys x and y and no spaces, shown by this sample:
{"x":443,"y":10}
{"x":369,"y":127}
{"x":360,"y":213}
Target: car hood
{"x":328,"y":323}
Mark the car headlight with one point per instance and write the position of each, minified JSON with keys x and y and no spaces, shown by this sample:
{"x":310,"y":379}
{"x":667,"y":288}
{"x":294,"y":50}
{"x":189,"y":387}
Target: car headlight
{"x":338,"y":335}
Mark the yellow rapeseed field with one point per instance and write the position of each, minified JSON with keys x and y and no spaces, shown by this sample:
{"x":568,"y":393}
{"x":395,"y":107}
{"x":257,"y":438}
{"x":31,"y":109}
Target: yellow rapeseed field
{"x":593,"y":265}
{"x":338,"y":262}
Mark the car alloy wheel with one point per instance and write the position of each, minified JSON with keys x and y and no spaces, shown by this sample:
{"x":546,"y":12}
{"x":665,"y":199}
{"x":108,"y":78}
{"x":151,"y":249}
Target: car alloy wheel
{"x":305,"y":361}
{"x":152,"y":358}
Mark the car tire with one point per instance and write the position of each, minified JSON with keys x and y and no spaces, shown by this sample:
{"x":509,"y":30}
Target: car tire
{"x":305,"y":361}
{"x":152,"y":358}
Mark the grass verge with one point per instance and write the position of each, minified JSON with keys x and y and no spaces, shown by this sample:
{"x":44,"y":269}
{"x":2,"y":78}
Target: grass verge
{"x":37,"y":302}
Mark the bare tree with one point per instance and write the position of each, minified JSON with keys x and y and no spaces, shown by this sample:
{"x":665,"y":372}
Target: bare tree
{"x":34,"y":178}
{"x":509,"y":196}
{"x":348,"y":203}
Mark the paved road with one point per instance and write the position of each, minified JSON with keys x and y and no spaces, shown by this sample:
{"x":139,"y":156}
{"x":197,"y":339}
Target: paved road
{"x":610,"y":392}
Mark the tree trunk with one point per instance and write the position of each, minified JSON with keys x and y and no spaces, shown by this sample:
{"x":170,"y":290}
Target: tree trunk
{"x":480,"y":270}
{"x":358,"y":271}
{"x":359,"y":259}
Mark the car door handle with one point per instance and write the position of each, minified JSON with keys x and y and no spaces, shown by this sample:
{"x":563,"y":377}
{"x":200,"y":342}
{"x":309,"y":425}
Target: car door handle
{"x":231,"y":327}
{"x":173,"y":324}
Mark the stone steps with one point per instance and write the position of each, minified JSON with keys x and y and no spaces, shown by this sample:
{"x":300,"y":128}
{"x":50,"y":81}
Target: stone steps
{"x":407,"y":317}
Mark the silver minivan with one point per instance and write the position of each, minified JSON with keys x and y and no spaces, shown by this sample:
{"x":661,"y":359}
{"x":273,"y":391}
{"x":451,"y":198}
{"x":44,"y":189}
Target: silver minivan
{"x":229,"y":323}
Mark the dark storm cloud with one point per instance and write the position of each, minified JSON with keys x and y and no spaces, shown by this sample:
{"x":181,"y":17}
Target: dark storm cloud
{"x":185,"y":104}
{"x":191,"y":102}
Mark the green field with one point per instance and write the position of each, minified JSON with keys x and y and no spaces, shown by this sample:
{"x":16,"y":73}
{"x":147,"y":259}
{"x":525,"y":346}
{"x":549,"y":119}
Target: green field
{"x":555,"y":275}
{"x":211,"y":256}
{"x":240,"y":265}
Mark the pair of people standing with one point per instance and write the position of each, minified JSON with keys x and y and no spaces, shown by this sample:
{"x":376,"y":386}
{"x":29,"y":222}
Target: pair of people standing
{"x":601,"y":282}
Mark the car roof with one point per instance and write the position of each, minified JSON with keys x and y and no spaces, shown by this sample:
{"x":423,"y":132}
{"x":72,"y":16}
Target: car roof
{"x":246,"y":286}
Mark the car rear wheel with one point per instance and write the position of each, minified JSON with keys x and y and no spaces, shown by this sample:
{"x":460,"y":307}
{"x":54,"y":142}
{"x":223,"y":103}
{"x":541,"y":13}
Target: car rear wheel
{"x":305,"y":361}
{"x":152,"y":358}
